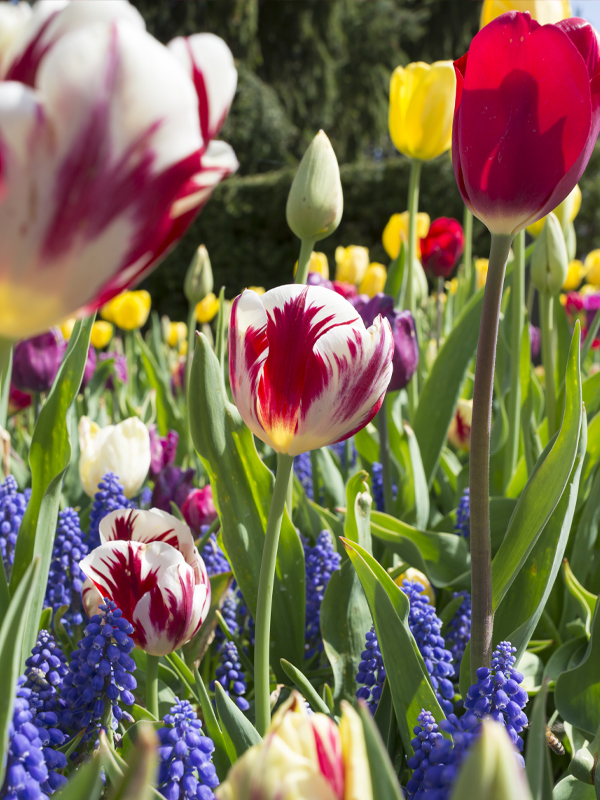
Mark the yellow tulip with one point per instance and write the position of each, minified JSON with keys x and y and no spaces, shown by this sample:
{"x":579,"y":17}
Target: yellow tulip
{"x":206,"y":310}
{"x":102,"y":332}
{"x":258,"y":289}
{"x":374,"y":280}
{"x":592,"y":267}
{"x":575,"y":275}
{"x":176,"y":332}
{"x":422,"y":109}
{"x":183,"y":347}
{"x":588,"y":289}
{"x":412,"y":574}
{"x":566,"y":212}
{"x":481,"y":269}
{"x":66,"y":327}
{"x":318,"y":263}
{"x":351,"y":263}
{"x":452,"y":286}
{"x":397,"y":229}
{"x":128,"y":311}
{"x":544,"y":11}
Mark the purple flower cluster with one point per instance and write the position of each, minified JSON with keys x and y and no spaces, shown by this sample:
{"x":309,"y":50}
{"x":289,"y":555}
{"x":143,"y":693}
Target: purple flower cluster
{"x":65,"y":578}
{"x":230,"y":675}
{"x":303,"y":470}
{"x":463,"y":515}
{"x":371,"y":672}
{"x":12,"y":508}
{"x":459,"y":630}
{"x":109,"y":497}
{"x":213,"y":556}
{"x":45,"y":670}
{"x":377,"y":486}
{"x":321,"y":561}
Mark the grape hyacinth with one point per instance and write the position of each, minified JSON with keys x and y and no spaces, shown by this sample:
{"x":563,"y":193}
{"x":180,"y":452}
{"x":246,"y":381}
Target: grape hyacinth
{"x":186,"y":769}
{"x":303,"y":470}
{"x":44,"y":672}
{"x":12,"y":508}
{"x":377,"y":486}
{"x":109,"y":497}
{"x":497,"y":693}
{"x":371,"y":672}
{"x":65,"y":578}
{"x":463,"y":515}
{"x":100,"y":671}
{"x":213,"y":556}
{"x":339,"y":448}
{"x":231,"y":676}
{"x":459,"y":630}
{"x":425,"y":626}
{"x":245,"y":620}
{"x":321,"y":561}
{"x":229,"y":612}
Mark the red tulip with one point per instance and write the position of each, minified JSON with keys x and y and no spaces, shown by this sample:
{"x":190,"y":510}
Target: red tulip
{"x":198,"y":509}
{"x":526,"y":119}
{"x":442,"y":247}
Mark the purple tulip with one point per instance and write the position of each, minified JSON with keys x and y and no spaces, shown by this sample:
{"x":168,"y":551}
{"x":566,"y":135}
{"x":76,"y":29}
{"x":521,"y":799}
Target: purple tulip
{"x":90,"y":367}
{"x":163,"y":450}
{"x":36,"y":361}
{"x":591,"y":304}
{"x":316,"y":279}
{"x":172,"y":484}
{"x":535,"y":337}
{"x":406,"y":346}
{"x":119,"y":368}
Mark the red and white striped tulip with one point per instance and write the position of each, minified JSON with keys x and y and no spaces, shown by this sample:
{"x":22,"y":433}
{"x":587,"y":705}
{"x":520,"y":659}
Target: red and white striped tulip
{"x":305,"y":372}
{"x":148,"y":565}
{"x":107,"y":156}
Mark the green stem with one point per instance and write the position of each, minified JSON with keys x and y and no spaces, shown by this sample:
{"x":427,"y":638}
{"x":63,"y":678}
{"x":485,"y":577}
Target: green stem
{"x":530,"y":298}
{"x":547,"y":324}
{"x":384,"y":458}
{"x":438,"y":326}
{"x":306,"y":248}
{"x":409,"y":267}
{"x":265,"y":595}
{"x":191,"y":326}
{"x":482,"y":616}
{"x":5,"y":373}
{"x":152,"y":684}
{"x":220,"y":333}
{"x":514,"y":408}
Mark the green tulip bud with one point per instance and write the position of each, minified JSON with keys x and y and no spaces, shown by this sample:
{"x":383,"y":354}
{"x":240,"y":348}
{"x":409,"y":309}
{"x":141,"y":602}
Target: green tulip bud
{"x":199,"y":278}
{"x":549,"y":260}
{"x":315,"y":202}
{"x":571,"y":240}
{"x":492,"y":771}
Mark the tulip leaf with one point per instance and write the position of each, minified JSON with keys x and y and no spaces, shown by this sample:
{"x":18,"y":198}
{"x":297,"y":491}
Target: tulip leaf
{"x":367,"y":443}
{"x":49,"y":458}
{"x":139,"y":772}
{"x":305,"y":687}
{"x":577,"y":692}
{"x":590,"y":391}
{"x":404,"y":665}
{"x":592,"y":455}
{"x":570,"y":788}
{"x":586,"y":533}
{"x":395,"y":271}
{"x":223,"y":757}
{"x":582,"y":603}
{"x":562,"y":658}
{"x":537,"y":761}
{"x":240,"y":730}
{"x":86,"y":782}
{"x":242,"y":488}
{"x":328,"y":478}
{"x":383,"y":778}
{"x":168,"y":415}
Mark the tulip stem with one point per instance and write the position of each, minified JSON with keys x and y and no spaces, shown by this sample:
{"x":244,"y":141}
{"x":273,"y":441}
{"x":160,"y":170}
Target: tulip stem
{"x":438,"y":327}
{"x":5,"y":373}
{"x":410,"y":300}
{"x":152,"y":684}
{"x":547,"y":324}
{"x":191,"y":326}
{"x":516,"y":335}
{"x":262,"y":633}
{"x":306,"y":248}
{"x":384,"y":458}
{"x":482,"y":616}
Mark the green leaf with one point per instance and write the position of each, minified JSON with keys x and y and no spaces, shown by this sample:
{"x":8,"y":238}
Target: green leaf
{"x":139,"y":774}
{"x":570,"y":788}
{"x":592,"y":455}
{"x":305,"y":687}
{"x":85,"y":783}
{"x":586,"y":534}
{"x":404,"y":665}
{"x":241,"y":731}
{"x":585,"y":601}
{"x":383,"y":778}
{"x":242,"y":488}
{"x":395,"y":271}
{"x":49,"y":458}
{"x":585,"y":762}
{"x":590,"y":392}
{"x":168,"y":415}
{"x":367,"y":443}
{"x":329,"y":478}
{"x":223,"y":757}
{"x":414,"y":486}
{"x":537,"y":762}
{"x":562,"y":659}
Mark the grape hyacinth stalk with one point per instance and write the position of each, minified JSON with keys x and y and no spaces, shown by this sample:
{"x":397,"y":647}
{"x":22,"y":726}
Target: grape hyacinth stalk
{"x":463,"y":515}
{"x":65,"y":578}
{"x":45,"y":670}
{"x":371,"y":672}
{"x":459,"y":630}
{"x":12,"y":508}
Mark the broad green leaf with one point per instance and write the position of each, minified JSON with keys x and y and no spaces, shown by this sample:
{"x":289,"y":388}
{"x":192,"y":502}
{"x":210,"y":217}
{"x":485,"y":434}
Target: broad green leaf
{"x":383,"y":778}
{"x":590,"y":392}
{"x":570,"y":788}
{"x":584,"y":601}
{"x":241,"y":731}
{"x":561,"y":658}
{"x":304,"y":686}
{"x":329,"y":478}
{"x":414,"y":486}
{"x":85,"y":783}
{"x":404,"y":665}
{"x":168,"y":415}
{"x":586,"y":534}
{"x":222,"y":757}
{"x":585,"y":762}
{"x":242,"y":487}
{"x":537,"y":761}
{"x":592,"y":454}
{"x":367,"y":443}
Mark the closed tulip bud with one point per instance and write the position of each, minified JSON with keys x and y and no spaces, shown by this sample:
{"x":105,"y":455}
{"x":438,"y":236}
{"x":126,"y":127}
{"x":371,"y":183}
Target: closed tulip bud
{"x":102,"y":332}
{"x":421,"y":109}
{"x":199,"y":278}
{"x":566,"y":213}
{"x":351,"y":263}
{"x":315,"y":202}
{"x":481,"y":271}
{"x":123,"y":449}
{"x":549,"y":260}
{"x":459,"y":433}
{"x":148,"y":565}
{"x":374,"y":279}
{"x":442,"y":247}
{"x":207,"y":309}
{"x":198,"y":509}
{"x":575,"y":274}
{"x":128,"y":311}
{"x":36,"y":361}
{"x":412,"y":574}
{"x":544,"y":11}
{"x":396,"y":231}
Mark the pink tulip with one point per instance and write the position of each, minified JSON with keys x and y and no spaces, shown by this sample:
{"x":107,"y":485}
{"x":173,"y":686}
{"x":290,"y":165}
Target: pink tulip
{"x":198,"y":509}
{"x":305,"y":372}
{"x":106,"y":155}
{"x":148,"y":565}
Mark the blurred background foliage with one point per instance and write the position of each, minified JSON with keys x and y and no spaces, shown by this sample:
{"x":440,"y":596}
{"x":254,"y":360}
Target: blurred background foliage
{"x":305,"y":65}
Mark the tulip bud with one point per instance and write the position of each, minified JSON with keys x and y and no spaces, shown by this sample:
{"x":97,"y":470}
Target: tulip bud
{"x":549,"y":261}
{"x":128,"y":310}
{"x":199,"y":278}
{"x":36,"y":361}
{"x":102,"y":332}
{"x":397,"y":230}
{"x":481,"y":270}
{"x":206,"y":309}
{"x":374,"y":280}
{"x":459,"y":433}
{"x":198,"y":509}
{"x":592,"y":267}
{"x":412,"y":574}
{"x":351,"y":263}
{"x":315,"y":202}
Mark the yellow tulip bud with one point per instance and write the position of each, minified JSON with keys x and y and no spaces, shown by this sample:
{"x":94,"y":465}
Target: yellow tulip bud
{"x":592,"y":267}
{"x":481,"y":270}
{"x":544,"y":11}
{"x":183,"y":347}
{"x":588,"y":289}
{"x":374,"y":279}
{"x":257,"y":289}
{"x":575,"y":274}
{"x":566,"y":212}
{"x":206,"y":310}
{"x":549,"y":260}
{"x":128,"y":311}
{"x":66,"y":327}
{"x":351,"y":263}
{"x":397,"y":230}
{"x":422,"y":108}
{"x":175,"y":332}
{"x":199,"y":278}
{"x":102,"y":332}
{"x":318,"y":263}
{"x":452,"y":286}
{"x":413,"y":574}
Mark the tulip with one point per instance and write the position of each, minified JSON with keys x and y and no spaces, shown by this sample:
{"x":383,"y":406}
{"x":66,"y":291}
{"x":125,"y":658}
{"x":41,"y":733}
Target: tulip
{"x":163,"y":450}
{"x":318,"y":263}
{"x":119,"y":368}
{"x":199,"y":278}
{"x":303,"y":757}
{"x":351,"y":263}
{"x":374,"y":280}
{"x":172,"y":485}
{"x":315,"y":279}
{"x":66,"y":327}
{"x":459,"y":433}
{"x":442,"y":247}
{"x":119,"y":155}
{"x":304,"y":370}
{"x":257,"y":289}
{"x":123,"y":449}
{"x":535,"y":337}
{"x":90,"y":367}
{"x":207,"y":309}
{"x":17,"y":400}
{"x":592,"y":267}
{"x":148,"y":565}
{"x":36,"y":361}
{"x":406,"y":346}
{"x":347,"y":290}
{"x":575,"y":274}
{"x":549,"y":260}
{"x":544,"y":11}
{"x":13,"y":20}
{"x":198,"y":509}
{"x":174,"y":332}
{"x":396,"y":231}
{"x":513,"y":169}
{"x":412,"y":574}
{"x":102,"y":332}
{"x":421,"y":108}
{"x":129,"y":310}
{"x":481,"y":270}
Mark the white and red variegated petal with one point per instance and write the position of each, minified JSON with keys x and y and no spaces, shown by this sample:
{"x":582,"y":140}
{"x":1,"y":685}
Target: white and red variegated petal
{"x":90,"y":597}
{"x":165,"y":614}
{"x":209,"y":63}
{"x":201,"y":606}
{"x":328,"y":746}
{"x":345,"y":383}
{"x":14,"y":20}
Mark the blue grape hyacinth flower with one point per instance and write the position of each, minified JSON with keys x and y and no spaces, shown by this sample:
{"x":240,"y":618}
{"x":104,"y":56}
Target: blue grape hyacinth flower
{"x":371,"y":672}
{"x":230,"y":674}
{"x":463,"y":515}
{"x":303,"y":469}
{"x":13,"y":504}
{"x":320,"y":562}
{"x":45,"y":670}
{"x":65,"y":579}
{"x":109,"y":497}
{"x":213,"y":556}
{"x":459,"y":630}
